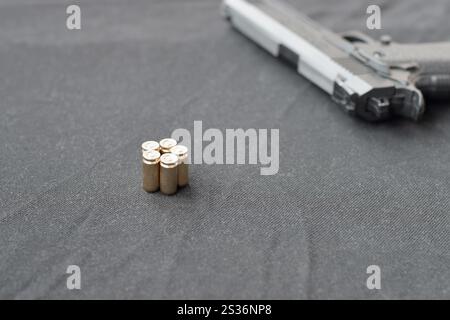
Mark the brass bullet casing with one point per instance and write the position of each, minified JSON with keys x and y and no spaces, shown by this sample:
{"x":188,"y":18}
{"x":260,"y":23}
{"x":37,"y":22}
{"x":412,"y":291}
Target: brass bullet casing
{"x":166,"y":144}
{"x":168,"y":173}
{"x":183,"y":170}
{"x":150,"y":170}
{"x":150,"y":145}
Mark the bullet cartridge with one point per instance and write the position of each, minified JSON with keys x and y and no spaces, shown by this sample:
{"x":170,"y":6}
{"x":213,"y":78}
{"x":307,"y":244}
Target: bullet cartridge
{"x":166,"y":144}
{"x":150,"y":145}
{"x":183,"y":170}
{"x":150,"y":170}
{"x":168,"y":173}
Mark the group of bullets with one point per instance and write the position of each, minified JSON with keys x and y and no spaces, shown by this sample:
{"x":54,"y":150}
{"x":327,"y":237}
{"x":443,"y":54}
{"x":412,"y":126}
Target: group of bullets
{"x":164,"y":166}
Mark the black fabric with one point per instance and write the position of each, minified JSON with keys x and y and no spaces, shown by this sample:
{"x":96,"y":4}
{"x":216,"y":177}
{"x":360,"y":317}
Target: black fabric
{"x":75,"y":106}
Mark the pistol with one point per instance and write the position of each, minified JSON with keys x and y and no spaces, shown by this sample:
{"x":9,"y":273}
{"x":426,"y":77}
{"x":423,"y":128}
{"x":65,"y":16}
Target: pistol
{"x":372,"y":79}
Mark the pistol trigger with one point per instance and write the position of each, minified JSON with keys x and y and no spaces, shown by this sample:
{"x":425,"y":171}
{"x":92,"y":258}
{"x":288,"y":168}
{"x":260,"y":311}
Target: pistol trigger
{"x":417,"y":104}
{"x":412,"y":103}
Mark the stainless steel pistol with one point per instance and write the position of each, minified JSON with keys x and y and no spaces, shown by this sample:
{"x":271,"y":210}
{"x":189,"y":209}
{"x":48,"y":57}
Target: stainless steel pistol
{"x":371,"y":79}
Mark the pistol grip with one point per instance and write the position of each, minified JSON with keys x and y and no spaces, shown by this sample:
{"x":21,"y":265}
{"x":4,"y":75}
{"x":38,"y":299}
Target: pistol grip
{"x":428,"y":64}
